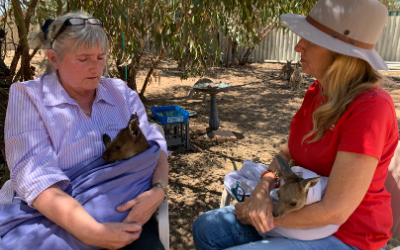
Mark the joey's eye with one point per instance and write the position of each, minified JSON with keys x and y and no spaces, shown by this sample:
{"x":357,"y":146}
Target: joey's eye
{"x":117,"y":147}
{"x":293,"y":204}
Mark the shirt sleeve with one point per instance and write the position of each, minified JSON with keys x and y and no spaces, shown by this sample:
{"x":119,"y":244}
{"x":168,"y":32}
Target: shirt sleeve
{"x":29,"y":152}
{"x":150,"y":131}
{"x":367,"y":128}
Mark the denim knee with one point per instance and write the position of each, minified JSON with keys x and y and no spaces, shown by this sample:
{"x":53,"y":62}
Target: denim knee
{"x":219,"y":229}
{"x":200,"y":236}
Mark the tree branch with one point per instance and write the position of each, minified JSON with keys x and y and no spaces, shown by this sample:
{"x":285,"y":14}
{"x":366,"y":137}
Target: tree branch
{"x":159,"y":57}
{"x":23,"y":39}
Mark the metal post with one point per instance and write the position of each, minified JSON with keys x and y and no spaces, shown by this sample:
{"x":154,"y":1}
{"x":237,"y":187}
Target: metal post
{"x":214,"y":120}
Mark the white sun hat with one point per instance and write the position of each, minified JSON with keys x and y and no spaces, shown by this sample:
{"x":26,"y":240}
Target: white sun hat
{"x":350,"y":27}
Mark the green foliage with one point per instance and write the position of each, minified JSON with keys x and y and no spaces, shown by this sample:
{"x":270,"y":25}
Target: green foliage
{"x":189,"y":29}
{"x":392,"y":4}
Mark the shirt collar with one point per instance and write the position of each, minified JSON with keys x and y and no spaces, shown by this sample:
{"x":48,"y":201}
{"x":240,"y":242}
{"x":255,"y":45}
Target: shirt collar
{"x":54,"y":93}
{"x":102,"y":93}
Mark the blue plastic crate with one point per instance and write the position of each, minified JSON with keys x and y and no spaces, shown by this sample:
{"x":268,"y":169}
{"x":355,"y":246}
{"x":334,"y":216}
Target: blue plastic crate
{"x":170,"y":114}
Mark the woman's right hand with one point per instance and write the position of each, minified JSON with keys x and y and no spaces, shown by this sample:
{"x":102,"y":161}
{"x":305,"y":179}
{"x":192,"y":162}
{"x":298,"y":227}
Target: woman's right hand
{"x":256,"y":211}
{"x":68,"y":213}
{"x":113,"y":235}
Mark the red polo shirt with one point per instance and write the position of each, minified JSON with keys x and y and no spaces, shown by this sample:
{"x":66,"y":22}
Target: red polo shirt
{"x":369,"y":126}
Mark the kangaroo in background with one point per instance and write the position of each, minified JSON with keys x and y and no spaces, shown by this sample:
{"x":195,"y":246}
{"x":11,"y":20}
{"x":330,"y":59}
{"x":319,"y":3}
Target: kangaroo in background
{"x":155,"y":77}
{"x":130,"y":141}
{"x":296,"y":78}
{"x":293,"y":193}
{"x":286,"y":69}
{"x":299,"y":64}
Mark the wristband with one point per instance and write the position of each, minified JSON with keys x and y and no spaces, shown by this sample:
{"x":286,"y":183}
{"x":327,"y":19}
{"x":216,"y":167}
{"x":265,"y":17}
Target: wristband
{"x":276,"y":176}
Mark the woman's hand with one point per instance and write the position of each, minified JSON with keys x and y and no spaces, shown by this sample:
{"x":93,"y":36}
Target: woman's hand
{"x":143,"y":206}
{"x":66,"y":212}
{"x":114,"y":235}
{"x":256,"y":211}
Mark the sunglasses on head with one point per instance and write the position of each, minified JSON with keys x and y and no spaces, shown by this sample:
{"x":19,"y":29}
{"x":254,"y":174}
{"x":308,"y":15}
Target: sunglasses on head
{"x":77,"y":22}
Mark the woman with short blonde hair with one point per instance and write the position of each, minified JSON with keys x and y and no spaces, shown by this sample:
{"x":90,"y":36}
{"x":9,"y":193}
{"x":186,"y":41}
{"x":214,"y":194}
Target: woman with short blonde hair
{"x":61,"y":194}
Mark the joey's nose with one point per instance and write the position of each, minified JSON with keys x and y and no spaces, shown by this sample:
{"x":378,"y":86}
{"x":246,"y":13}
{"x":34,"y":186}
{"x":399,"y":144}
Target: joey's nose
{"x":276,"y":214}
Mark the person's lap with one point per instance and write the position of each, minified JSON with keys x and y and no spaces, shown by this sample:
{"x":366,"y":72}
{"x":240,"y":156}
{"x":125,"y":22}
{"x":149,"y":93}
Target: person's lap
{"x":149,"y":238}
{"x":219,"y":229}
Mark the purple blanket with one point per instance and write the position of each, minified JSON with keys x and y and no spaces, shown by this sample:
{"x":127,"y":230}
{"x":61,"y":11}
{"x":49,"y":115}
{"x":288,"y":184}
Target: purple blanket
{"x":98,"y":186}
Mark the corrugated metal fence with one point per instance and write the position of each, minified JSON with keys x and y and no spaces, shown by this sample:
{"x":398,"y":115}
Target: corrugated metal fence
{"x":279,"y":45}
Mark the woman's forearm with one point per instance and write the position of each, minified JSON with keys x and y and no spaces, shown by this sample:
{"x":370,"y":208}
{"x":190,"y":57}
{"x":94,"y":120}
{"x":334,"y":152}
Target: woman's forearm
{"x":267,"y":182}
{"x":161,"y":171}
{"x":160,"y":174}
{"x":66,"y":212}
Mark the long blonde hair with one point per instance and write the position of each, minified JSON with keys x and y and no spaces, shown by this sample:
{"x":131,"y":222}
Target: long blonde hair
{"x":345,"y":79}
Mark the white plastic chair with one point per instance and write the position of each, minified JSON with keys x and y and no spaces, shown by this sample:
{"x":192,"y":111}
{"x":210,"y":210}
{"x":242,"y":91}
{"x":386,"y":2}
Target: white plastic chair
{"x":163,"y":218}
{"x":225,"y":199}
{"x":392,"y":184}
{"x":163,"y":223}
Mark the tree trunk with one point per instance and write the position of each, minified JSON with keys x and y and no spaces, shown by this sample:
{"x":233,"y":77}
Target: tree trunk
{"x":132,"y":70}
{"x":33,"y":53}
{"x":234,"y":59}
{"x":121,"y":70}
{"x":4,"y":74}
{"x":29,"y":13}
{"x":14,"y":63}
{"x":26,"y":65}
{"x":4,"y":71}
{"x":151,"y":72}
{"x":23,"y":37}
{"x":132,"y":75}
{"x":263,"y":34}
{"x":246,"y":56}
{"x":59,"y":7}
{"x":227,"y":53}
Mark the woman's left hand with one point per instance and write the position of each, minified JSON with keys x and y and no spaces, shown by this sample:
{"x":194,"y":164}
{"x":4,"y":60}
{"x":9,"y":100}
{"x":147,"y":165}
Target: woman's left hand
{"x":143,"y":206}
{"x":241,"y":212}
{"x":253,"y":212}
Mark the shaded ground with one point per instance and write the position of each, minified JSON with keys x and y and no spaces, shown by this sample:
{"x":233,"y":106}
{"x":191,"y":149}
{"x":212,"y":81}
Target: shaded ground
{"x":257,"y":109}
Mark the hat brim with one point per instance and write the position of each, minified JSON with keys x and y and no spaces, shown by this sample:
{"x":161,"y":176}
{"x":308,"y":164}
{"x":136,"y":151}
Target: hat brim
{"x":299,"y":25}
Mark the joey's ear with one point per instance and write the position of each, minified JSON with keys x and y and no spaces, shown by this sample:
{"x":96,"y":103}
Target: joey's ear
{"x":106,"y":140}
{"x":134,"y":117}
{"x":134,"y":129}
{"x":284,"y":166}
{"x":309,"y":183}
{"x":52,"y":56}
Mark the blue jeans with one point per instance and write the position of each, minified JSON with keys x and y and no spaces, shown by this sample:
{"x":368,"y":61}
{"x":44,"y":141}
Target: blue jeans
{"x":219,"y":229}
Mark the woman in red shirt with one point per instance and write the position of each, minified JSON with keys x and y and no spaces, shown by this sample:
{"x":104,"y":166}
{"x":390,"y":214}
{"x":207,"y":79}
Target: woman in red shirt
{"x":346,"y":129}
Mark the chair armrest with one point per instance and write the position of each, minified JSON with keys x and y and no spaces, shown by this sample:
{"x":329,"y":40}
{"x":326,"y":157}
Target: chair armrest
{"x":225,"y":199}
{"x":163,"y":223}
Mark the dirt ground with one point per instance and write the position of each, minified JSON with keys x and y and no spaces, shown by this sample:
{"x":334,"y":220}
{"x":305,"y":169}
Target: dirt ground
{"x":258,"y":109}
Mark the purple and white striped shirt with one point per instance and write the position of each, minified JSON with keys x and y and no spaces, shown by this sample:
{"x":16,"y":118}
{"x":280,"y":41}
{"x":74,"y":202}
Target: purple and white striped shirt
{"x":46,"y":132}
